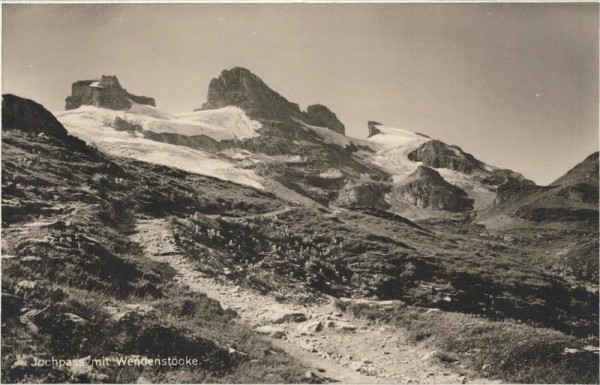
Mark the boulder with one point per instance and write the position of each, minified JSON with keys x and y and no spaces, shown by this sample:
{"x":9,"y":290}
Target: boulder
{"x":271,"y":331}
{"x":310,"y":327}
{"x":291,"y":317}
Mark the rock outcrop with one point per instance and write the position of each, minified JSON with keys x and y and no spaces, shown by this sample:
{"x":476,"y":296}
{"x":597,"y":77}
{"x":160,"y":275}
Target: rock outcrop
{"x":364,"y":194}
{"x":241,"y":88}
{"x":437,"y":154}
{"x":26,"y":115}
{"x":106,"y":93}
{"x":427,"y":189}
{"x":319,"y":115}
{"x":373,"y":130}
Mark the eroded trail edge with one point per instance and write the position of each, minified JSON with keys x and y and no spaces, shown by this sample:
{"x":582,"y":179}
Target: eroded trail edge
{"x":331,"y":343}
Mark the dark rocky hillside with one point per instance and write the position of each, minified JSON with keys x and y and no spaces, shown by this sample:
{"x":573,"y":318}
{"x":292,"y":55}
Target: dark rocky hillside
{"x":74,"y":285}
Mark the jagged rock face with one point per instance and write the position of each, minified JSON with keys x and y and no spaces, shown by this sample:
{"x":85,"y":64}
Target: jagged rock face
{"x":437,"y":154}
{"x":319,"y":115}
{"x":106,"y":93}
{"x":26,"y":115}
{"x":427,"y":189}
{"x":241,"y":88}
{"x":373,"y":130}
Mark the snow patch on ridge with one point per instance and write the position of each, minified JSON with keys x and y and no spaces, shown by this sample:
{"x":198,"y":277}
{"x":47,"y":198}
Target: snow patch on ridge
{"x":228,"y":123}
{"x":394,"y":145}
{"x":329,"y":136}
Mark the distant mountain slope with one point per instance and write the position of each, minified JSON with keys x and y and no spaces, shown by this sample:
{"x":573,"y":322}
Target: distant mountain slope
{"x":572,"y":200}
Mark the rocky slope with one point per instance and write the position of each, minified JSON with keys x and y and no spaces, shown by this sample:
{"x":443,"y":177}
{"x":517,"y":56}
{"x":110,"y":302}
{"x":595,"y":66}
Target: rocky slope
{"x":77,"y":282}
{"x":106,"y":93}
{"x":75,"y":287}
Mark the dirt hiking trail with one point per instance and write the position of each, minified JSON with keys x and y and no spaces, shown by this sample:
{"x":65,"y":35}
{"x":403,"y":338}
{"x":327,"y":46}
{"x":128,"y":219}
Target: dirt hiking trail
{"x":331,"y":344}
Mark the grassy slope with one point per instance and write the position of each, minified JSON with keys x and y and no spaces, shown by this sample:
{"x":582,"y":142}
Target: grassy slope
{"x":509,"y":351}
{"x":374,"y":254}
{"x":69,"y":263}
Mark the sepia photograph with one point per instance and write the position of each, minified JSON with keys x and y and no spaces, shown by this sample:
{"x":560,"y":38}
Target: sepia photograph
{"x":301,"y":192}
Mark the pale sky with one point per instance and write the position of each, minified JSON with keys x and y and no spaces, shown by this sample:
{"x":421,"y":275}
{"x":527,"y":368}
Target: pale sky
{"x":516,"y":85}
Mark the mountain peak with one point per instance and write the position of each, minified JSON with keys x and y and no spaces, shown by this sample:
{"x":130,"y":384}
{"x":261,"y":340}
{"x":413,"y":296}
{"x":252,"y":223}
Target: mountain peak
{"x":241,"y":88}
{"x":105,"y":92}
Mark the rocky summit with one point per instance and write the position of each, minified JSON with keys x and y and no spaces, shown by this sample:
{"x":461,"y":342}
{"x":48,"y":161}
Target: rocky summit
{"x":241,"y":88}
{"x":106,"y":92}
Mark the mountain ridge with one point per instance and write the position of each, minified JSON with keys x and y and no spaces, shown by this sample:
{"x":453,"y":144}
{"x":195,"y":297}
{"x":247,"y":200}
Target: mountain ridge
{"x":316,"y":139}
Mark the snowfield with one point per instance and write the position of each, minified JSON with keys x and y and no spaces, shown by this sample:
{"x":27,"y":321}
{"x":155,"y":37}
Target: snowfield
{"x":393,"y":146}
{"x":93,"y":125}
{"x":226,"y":123}
{"x":328,"y":136}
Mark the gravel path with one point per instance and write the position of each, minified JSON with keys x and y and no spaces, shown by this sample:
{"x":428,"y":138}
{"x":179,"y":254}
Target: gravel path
{"x":332,"y":344}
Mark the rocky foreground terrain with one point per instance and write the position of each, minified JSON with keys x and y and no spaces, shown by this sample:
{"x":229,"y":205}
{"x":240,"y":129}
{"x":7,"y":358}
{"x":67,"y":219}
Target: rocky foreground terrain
{"x":260,"y":240}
